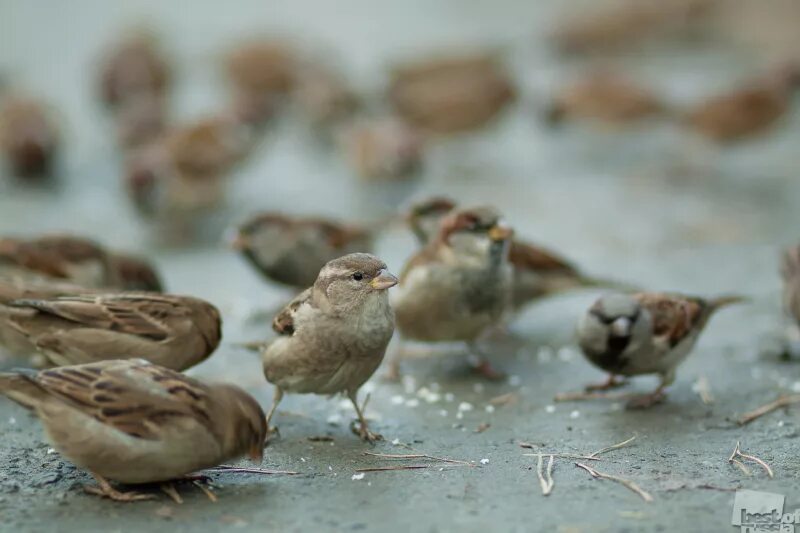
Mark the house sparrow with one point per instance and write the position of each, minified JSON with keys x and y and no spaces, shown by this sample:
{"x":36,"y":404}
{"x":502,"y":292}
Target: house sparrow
{"x":459,"y":285}
{"x":333,"y":336}
{"x":323,"y":96}
{"x":292,"y":250}
{"x":451,"y":94}
{"x":134,"y":422}
{"x":537,"y":272}
{"x":29,"y":137}
{"x":135,"y":67}
{"x":75,"y":260}
{"x":790,"y":272}
{"x":604,"y":96}
{"x":383,"y":149}
{"x":140,"y":120}
{"x":747,"y":111}
{"x":177,"y":332}
{"x":644,"y":333}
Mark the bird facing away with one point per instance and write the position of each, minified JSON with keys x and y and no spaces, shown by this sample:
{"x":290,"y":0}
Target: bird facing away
{"x":333,"y":336}
{"x":134,"y":422}
{"x":644,"y":333}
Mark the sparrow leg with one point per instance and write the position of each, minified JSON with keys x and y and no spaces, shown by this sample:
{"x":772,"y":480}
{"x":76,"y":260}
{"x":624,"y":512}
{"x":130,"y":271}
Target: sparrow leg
{"x":276,"y":399}
{"x":482,"y":366}
{"x":105,"y":490}
{"x":648,"y":400}
{"x":170,"y":490}
{"x":393,"y":373}
{"x":611,"y":383}
{"x":363,"y":429}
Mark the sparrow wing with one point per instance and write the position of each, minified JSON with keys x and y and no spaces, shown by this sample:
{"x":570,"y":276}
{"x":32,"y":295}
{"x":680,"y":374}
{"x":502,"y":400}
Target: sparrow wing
{"x":526,"y":256}
{"x":284,"y":321}
{"x":675,"y":317}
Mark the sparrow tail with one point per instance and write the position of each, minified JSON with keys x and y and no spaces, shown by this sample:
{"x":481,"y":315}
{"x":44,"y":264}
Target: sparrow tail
{"x":723,"y":301}
{"x":19,"y":385}
{"x":601,"y":283}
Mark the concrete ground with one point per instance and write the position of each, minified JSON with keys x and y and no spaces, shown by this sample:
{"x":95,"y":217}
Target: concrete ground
{"x":653,"y":206}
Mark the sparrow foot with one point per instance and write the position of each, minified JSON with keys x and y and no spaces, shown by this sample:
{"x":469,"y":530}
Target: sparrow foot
{"x":105,"y":490}
{"x":170,"y":490}
{"x":273,"y":432}
{"x":485,"y":369}
{"x":611,"y":383}
{"x":362,"y":430}
{"x":646,"y":401}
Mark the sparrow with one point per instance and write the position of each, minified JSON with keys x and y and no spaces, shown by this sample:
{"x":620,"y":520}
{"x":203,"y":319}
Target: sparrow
{"x":449,"y":95}
{"x":261,"y":73}
{"x":537,"y":272}
{"x":790,"y":272}
{"x":75,"y":260}
{"x":333,"y":336}
{"x":134,"y":67}
{"x":140,"y":120}
{"x":134,"y":422}
{"x":383,"y":149}
{"x":323,"y":96}
{"x":292,"y":250}
{"x":748,"y":111}
{"x":176,"y":332}
{"x":604,"y":96}
{"x":459,"y":284}
{"x":644,"y":333}
{"x":29,"y":137}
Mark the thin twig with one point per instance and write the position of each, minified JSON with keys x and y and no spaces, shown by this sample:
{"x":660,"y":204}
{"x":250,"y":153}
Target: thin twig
{"x":738,"y":452}
{"x":388,"y":468}
{"x":563,"y":456}
{"x":622,"y":481}
{"x":782,"y":401}
{"x":545,"y":480}
{"x":417,"y":456}
{"x":504,"y":399}
{"x":703,"y":388}
{"x":613,"y":447}
{"x":248,"y":470}
{"x":741,"y":466}
{"x":582,"y":396}
{"x":210,"y":495}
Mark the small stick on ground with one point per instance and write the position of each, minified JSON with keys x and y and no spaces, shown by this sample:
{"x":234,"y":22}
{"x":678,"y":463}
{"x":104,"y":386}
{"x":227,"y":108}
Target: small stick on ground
{"x":563,"y":456}
{"x":782,"y":401}
{"x":737,"y":452}
{"x":545,"y":479}
{"x":210,"y":495}
{"x":504,"y":399}
{"x":582,"y":396}
{"x":622,"y":481}
{"x":417,"y":456}
{"x":612,"y":447}
{"x":248,"y":470}
{"x":388,"y":468}
{"x":703,"y":388}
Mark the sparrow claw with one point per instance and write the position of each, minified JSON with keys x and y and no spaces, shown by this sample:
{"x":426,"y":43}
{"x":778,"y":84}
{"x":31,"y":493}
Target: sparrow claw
{"x":646,"y":401}
{"x":117,"y":496}
{"x":611,"y":383}
{"x":272,"y":432}
{"x":487,"y":371}
{"x":362,"y":430}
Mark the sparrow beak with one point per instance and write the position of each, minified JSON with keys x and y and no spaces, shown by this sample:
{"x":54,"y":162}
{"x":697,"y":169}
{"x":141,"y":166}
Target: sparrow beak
{"x":236,"y":240}
{"x":500,"y":232}
{"x":621,"y":327}
{"x":257,"y":454}
{"x":383,"y":280}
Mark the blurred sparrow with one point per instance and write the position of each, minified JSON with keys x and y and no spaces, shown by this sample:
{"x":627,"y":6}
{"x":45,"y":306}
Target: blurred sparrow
{"x":459,"y":285}
{"x":28,"y":136}
{"x":75,"y":260}
{"x":134,"y":422}
{"x":537,"y":272}
{"x":323,"y":96}
{"x":604,"y":96}
{"x":748,"y":111}
{"x":451,"y":94}
{"x":135,"y":67}
{"x":140,"y":120}
{"x":790,"y":272}
{"x":333,"y":336}
{"x":644,"y":333}
{"x":292,"y":250}
{"x":385,"y":148}
{"x":177,"y":332}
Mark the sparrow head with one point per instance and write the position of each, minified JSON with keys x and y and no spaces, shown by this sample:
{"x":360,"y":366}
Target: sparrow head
{"x":476,"y":231}
{"x":134,"y":273}
{"x":266,"y":229}
{"x":613,"y":324}
{"x":247,"y":425}
{"x":425,"y":217}
{"x":348,"y":280}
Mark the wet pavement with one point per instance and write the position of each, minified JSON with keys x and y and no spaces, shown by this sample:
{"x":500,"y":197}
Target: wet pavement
{"x":653,"y":206}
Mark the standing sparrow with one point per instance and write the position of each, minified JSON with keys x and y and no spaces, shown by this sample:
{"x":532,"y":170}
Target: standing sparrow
{"x":459,"y":285}
{"x":323,"y":96}
{"x":28,"y":136}
{"x":383,"y":149}
{"x":606,"y":97}
{"x":333,"y":336}
{"x":177,"y":332}
{"x":134,"y":422}
{"x":644,"y":333}
{"x":451,"y":94}
{"x":75,"y":260}
{"x":747,"y":111}
{"x":790,"y":272}
{"x":292,"y":250}
{"x":135,"y":67}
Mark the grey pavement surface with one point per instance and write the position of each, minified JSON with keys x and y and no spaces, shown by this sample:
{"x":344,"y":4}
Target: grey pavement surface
{"x":652,"y":205}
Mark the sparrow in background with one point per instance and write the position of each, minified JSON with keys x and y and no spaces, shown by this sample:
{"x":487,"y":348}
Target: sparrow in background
{"x":29,"y":137}
{"x":604,"y":96}
{"x":323,"y":96}
{"x":449,"y":95}
{"x":135,"y":67}
{"x":644,"y":333}
{"x":537,"y":272}
{"x":134,"y":422}
{"x":333,"y":336}
{"x":459,"y":285}
{"x":748,"y":111}
{"x":176,"y":332}
{"x":383,"y":149}
{"x":75,"y":260}
{"x":790,"y":272}
{"x":292,"y":250}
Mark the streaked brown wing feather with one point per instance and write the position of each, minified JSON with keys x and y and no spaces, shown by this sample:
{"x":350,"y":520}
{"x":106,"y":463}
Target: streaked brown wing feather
{"x":283,"y":323}
{"x":426,"y":255}
{"x":526,"y":256}
{"x":674,"y":316}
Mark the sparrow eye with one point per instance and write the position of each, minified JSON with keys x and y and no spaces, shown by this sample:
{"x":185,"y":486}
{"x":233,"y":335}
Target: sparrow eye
{"x":358,"y":276}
